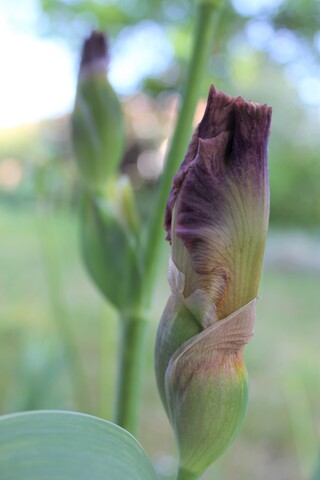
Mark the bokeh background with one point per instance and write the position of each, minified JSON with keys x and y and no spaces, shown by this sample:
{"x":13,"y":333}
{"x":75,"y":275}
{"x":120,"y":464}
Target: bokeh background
{"x":51,"y":315}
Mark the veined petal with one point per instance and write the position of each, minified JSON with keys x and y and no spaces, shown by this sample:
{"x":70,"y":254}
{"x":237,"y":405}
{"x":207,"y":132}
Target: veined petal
{"x":219,"y":203}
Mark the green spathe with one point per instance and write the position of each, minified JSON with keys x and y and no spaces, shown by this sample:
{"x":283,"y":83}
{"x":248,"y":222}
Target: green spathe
{"x":206,"y":381}
{"x":201,"y":376}
{"x":111,"y":250}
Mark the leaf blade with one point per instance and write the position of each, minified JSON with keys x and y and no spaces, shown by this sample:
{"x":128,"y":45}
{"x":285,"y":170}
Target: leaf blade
{"x":59,"y":445}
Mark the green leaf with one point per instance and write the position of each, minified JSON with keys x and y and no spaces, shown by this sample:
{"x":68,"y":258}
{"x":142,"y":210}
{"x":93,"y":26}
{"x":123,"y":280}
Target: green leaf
{"x":55,"y":445}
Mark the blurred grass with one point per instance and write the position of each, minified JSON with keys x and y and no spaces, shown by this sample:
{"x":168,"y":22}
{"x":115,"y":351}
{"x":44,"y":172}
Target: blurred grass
{"x":281,"y":431}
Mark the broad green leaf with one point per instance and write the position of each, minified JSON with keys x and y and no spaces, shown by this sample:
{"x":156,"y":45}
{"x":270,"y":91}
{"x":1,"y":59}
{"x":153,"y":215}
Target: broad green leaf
{"x":53,"y":445}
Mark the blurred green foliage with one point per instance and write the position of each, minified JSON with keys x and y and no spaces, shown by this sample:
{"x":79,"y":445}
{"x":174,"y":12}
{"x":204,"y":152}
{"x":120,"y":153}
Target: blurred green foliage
{"x":72,"y":18}
{"x":259,"y":53}
{"x":282,"y":358}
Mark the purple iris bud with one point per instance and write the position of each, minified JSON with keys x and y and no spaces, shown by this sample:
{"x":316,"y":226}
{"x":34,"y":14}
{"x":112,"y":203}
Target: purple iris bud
{"x":216,"y":221}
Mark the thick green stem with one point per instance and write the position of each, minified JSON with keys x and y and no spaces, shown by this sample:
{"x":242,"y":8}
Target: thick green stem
{"x":132,"y":355}
{"x":184,"y":475}
{"x":207,"y":13}
{"x":132,"y":360}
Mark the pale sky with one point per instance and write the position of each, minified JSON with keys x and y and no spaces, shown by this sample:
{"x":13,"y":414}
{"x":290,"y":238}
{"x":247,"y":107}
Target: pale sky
{"x":38,"y":75}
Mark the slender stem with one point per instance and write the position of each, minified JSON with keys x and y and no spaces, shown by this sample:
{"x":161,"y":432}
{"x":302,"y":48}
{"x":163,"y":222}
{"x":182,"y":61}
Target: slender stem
{"x":59,"y":312}
{"x":184,"y":475}
{"x":200,"y":53}
{"x":104,"y":374}
{"x":132,"y":360}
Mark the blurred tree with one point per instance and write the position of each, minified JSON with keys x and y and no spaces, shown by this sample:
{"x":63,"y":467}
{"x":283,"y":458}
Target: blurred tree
{"x":71,"y":19}
{"x":267,"y":50}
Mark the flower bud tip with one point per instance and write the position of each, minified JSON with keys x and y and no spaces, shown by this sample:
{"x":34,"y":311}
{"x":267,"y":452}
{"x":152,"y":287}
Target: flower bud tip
{"x":94,"y":56}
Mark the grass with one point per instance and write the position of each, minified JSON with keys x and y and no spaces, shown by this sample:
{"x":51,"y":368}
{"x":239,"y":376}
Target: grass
{"x":280,"y":436}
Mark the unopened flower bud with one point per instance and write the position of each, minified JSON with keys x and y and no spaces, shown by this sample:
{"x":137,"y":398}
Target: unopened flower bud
{"x":216,"y":220}
{"x":97,"y":124}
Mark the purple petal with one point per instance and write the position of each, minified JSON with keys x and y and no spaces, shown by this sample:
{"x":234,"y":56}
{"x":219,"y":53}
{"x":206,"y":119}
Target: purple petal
{"x":94,"y":56}
{"x":221,"y":192}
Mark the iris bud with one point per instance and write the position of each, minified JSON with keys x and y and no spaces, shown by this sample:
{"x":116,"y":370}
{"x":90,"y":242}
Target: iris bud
{"x":216,"y":221}
{"x":97,"y":123}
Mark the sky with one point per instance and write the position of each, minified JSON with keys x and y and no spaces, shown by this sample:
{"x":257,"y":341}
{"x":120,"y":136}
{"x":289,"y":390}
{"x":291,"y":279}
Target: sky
{"x":38,"y":75}
{"x":28,"y":92}
{"x":37,"y":78}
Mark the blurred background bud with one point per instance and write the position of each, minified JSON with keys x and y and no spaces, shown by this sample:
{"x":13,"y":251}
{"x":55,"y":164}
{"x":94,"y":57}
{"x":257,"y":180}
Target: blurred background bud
{"x":97,"y":124}
{"x":110,"y":246}
{"x":216,"y":221}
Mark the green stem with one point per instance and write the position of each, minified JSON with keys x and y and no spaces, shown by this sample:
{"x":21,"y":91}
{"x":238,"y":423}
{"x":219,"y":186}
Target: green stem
{"x":105,"y":381}
{"x":58,"y":310}
{"x":132,"y":360}
{"x":207,"y":13}
{"x":184,"y":475}
{"x":132,"y":353}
